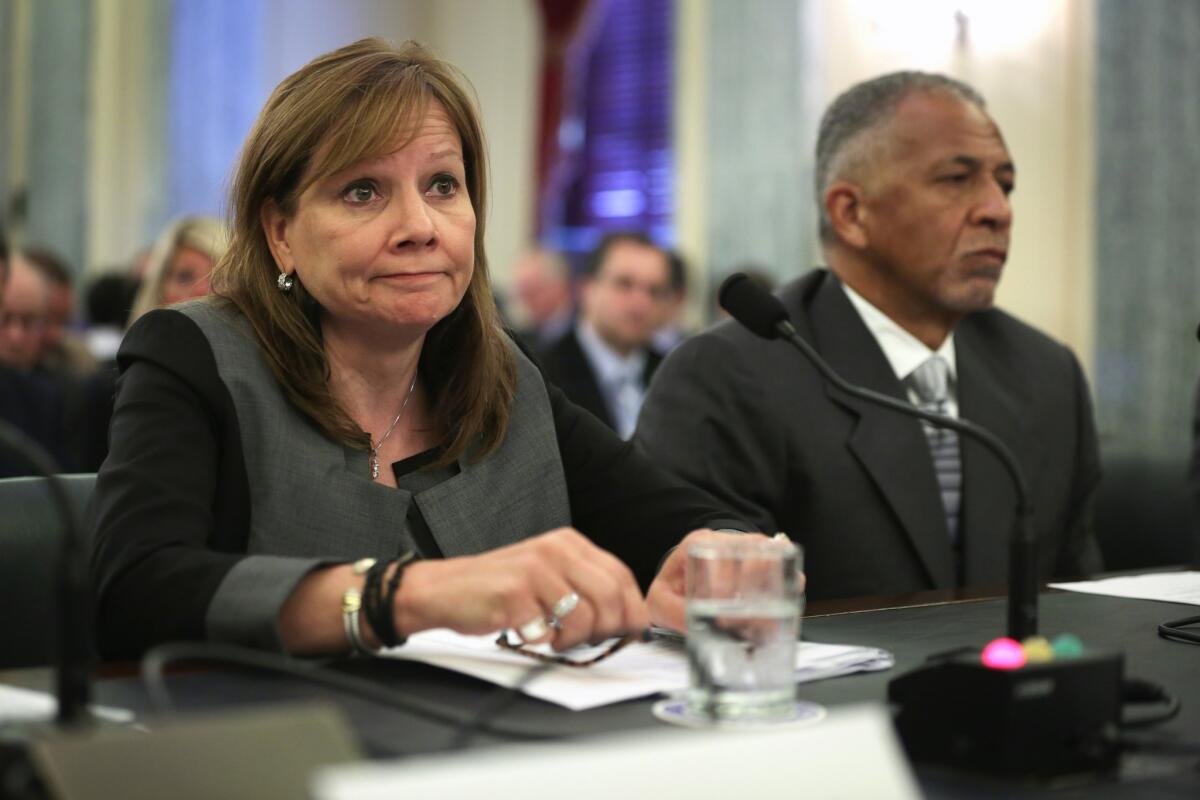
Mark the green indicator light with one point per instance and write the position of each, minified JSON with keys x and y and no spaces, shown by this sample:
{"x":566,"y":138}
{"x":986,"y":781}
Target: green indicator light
{"x":1067,"y":645}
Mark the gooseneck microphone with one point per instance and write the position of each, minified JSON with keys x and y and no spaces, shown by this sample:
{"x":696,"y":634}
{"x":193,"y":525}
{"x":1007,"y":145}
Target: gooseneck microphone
{"x":73,"y":650}
{"x":763,"y":314}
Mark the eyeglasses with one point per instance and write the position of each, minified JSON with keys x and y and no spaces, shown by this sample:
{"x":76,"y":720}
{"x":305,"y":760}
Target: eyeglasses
{"x":505,"y":642}
{"x":29,"y":322}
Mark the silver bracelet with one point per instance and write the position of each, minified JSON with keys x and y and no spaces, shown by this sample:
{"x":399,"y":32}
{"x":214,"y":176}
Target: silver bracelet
{"x":352,"y":608}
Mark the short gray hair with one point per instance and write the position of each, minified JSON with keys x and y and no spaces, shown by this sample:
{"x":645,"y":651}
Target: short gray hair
{"x":864,"y":107}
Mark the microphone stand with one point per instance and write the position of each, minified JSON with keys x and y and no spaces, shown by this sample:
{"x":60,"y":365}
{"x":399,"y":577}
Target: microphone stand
{"x":72,"y":654}
{"x":1044,"y":718}
{"x":1022,"y":569}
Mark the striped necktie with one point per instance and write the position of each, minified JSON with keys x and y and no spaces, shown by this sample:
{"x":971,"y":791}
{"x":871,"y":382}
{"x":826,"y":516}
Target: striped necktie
{"x":930,"y":381}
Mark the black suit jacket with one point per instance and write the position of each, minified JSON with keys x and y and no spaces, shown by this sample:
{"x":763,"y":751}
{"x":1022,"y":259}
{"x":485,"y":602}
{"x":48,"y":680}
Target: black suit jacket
{"x":34,"y":405}
{"x":752,"y":422}
{"x":567,"y":366}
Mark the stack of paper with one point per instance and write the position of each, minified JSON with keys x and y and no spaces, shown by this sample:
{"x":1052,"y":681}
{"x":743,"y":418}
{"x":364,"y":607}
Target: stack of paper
{"x":1169,"y":587}
{"x":638,"y":670}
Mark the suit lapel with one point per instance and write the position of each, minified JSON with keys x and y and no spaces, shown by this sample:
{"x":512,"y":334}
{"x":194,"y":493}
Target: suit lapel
{"x":993,"y":396}
{"x":891,"y":447}
{"x":653,"y":359}
{"x":585,"y":388}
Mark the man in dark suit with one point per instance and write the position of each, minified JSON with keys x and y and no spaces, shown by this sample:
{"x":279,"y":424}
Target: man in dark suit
{"x":913,"y":179}
{"x":604,"y":362}
{"x":27,"y":402}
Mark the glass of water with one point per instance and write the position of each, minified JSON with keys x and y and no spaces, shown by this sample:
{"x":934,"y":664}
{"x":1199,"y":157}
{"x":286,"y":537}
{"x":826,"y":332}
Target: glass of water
{"x":743,"y":620}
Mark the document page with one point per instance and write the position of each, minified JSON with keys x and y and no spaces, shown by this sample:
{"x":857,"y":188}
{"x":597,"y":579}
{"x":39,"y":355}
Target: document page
{"x":26,"y":705}
{"x":641,"y":669}
{"x":1169,"y":587}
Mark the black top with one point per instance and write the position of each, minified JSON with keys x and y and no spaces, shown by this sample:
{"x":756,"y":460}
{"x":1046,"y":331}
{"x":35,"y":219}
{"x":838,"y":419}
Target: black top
{"x":567,"y":365}
{"x":172,"y":505}
{"x":33,"y":404}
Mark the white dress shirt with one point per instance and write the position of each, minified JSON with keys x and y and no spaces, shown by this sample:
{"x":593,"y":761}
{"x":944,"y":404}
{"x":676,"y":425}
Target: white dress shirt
{"x":620,"y":378}
{"x":904,"y":351}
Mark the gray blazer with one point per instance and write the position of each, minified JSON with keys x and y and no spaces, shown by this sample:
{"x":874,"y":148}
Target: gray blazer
{"x":751,"y":422}
{"x":310,"y":502}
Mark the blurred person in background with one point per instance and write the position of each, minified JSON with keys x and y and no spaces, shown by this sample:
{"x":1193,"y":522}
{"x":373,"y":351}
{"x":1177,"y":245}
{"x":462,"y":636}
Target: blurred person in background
{"x":542,"y":291}
{"x":27,"y":402}
{"x":673,"y":330}
{"x":23,"y":315}
{"x":108,"y":303}
{"x":180,"y":263}
{"x":605,"y":362}
{"x":62,"y":350}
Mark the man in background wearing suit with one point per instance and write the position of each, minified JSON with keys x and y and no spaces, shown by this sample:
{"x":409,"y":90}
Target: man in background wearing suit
{"x":26,"y":402}
{"x":605,"y":362}
{"x":913,"y":181}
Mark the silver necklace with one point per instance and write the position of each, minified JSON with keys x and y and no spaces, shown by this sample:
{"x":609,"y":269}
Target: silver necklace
{"x":392,"y":427}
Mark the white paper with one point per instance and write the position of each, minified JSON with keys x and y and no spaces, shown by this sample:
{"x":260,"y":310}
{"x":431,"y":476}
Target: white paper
{"x":1169,"y":587}
{"x":852,"y":753}
{"x":638,"y":670}
{"x":27,"y":705}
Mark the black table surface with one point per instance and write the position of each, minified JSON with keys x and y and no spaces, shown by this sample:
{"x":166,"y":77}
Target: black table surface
{"x":1166,"y":766}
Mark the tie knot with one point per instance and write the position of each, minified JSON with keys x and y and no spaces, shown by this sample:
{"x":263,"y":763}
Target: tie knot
{"x":930,"y":380}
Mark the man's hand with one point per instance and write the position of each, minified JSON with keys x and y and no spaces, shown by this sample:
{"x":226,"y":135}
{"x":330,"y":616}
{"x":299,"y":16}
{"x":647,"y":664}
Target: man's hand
{"x":666,"y":597}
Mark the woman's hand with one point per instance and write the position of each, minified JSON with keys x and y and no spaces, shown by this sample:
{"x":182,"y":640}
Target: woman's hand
{"x":519,"y":585}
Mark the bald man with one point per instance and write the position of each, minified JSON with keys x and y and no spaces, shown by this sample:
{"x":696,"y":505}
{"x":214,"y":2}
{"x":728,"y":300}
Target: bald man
{"x":27,"y":401}
{"x":541,"y":286}
{"x":23,"y":313}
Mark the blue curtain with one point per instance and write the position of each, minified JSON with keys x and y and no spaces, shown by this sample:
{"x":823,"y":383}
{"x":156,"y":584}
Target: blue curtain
{"x":216,"y":92}
{"x":615,"y":170}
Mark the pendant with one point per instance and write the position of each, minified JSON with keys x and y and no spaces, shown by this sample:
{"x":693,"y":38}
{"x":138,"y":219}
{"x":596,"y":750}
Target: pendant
{"x":374,"y":465}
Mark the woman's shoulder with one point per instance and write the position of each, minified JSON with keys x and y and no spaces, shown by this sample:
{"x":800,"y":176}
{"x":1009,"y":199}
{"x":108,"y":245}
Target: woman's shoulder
{"x":210,"y":323}
{"x":185,"y":339}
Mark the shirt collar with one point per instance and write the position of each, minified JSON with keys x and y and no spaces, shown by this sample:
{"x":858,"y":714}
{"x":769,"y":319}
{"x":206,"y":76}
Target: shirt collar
{"x":611,"y":367}
{"x":903,"y":351}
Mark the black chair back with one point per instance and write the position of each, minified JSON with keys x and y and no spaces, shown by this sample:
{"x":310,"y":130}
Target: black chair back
{"x":30,"y":530}
{"x":1144,"y":515}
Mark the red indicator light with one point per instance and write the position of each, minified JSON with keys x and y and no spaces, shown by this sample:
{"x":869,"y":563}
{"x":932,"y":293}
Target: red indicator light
{"x":1003,"y":654}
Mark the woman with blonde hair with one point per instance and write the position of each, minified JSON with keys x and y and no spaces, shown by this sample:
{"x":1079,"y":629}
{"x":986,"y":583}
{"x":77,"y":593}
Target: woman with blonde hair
{"x":342,"y":446}
{"x":180,"y":264}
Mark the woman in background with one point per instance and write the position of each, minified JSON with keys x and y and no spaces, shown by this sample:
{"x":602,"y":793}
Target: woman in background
{"x":180,"y":264}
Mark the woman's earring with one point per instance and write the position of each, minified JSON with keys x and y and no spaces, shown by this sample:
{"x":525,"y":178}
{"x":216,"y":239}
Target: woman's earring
{"x":285,"y":282}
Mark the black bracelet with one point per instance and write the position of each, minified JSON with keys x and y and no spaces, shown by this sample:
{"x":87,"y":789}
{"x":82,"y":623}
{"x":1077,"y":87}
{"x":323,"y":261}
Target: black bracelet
{"x":388,"y":634}
{"x":372,"y":597}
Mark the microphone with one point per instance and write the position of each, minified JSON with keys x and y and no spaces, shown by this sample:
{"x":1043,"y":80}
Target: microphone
{"x":73,"y":652}
{"x":1045,"y":718}
{"x":764,"y":315}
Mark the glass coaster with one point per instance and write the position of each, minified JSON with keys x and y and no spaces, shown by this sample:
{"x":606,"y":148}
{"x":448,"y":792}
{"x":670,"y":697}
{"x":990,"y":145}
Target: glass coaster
{"x":675,"y":711}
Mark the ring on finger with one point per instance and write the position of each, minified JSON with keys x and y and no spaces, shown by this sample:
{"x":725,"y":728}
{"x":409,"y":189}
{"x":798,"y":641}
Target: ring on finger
{"x":535,"y":629}
{"x":565,"y":605}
